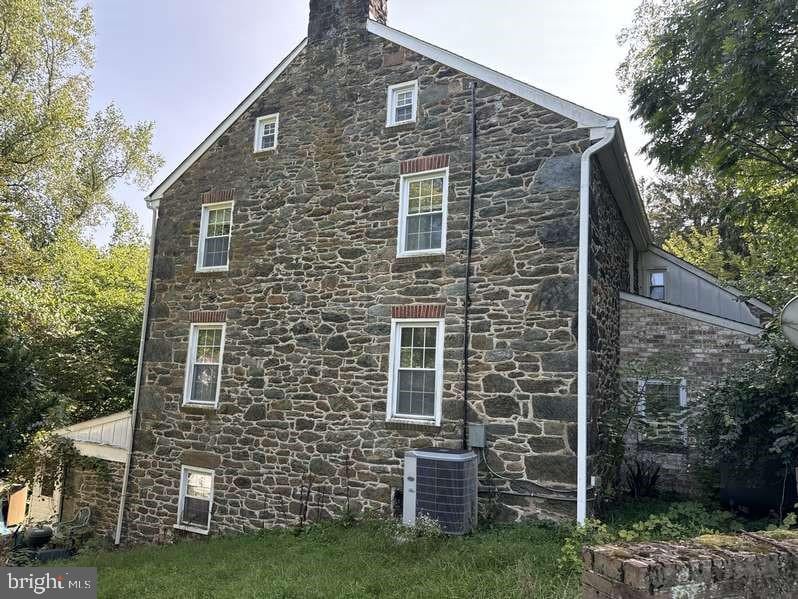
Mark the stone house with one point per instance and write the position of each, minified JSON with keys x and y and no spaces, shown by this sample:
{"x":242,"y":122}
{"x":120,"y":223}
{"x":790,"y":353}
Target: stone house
{"x":385,"y":241}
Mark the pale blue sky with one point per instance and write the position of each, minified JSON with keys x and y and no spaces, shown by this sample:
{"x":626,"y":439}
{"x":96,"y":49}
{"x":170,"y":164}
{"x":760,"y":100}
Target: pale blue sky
{"x":185,"y":64}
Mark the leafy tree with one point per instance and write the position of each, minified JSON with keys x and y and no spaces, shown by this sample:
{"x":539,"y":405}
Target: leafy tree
{"x":716,"y":81}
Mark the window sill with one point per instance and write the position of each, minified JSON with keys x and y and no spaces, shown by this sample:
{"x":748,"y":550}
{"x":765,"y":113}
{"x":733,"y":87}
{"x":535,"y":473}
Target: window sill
{"x":264,"y":151}
{"x":399,"y":127}
{"x":199,"y":531}
{"x":213,"y":269}
{"x":198,"y":408}
{"x":419,"y":258}
{"x":408,"y":424}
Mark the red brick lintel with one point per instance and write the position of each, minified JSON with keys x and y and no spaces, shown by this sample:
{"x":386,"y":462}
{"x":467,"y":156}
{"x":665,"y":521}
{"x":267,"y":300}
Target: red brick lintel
{"x":418,"y":311}
{"x":221,"y":195}
{"x":208,"y":316}
{"x":425,"y":163}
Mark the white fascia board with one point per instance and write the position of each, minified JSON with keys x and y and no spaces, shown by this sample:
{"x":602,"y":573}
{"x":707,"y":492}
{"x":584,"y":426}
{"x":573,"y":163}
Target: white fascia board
{"x":110,"y":453}
{"x":694,"y":314}
{"x":691,"y":268}
{"x":583,"y":116}
{"x":158,"y":192}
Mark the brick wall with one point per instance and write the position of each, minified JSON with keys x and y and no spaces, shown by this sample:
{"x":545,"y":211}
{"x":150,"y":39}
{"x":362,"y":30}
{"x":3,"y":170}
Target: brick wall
{"x":757,"y":566}
{"x":314,"y":279}
{"x":700,"y":352}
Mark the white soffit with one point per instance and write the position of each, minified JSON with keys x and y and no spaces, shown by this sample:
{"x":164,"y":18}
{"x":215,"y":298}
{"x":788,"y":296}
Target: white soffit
{"x":583,"y":116}
{"x":158,"y":192}
{"x":694,"y":314}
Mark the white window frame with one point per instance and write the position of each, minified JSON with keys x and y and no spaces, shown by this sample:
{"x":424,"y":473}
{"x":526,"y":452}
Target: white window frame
{"x":404,"y":200}
{"x":397,"y":324}
{"x":267,"y":119}
{"x":184,"y":470}
{"x":393,"y":90}
{"x":191,"y":356}
{"x":206,"y":209}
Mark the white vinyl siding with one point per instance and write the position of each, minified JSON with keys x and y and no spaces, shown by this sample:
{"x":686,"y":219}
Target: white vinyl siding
{"x":196,"y":499}
{"x":402,"y":103}
{"x":266,"y":131}
{"x":204,"y":364}
{"x":215,"y":229}
{"x":416,"y":371}
{"x":423,"y":213}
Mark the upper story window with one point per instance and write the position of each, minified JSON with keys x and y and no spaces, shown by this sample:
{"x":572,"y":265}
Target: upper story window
{"x":415,"y":380}
{"x":266,"y":129}
{"x":196,"y":499}
{"x":204,"y":364}
{"x":214,"y":243}
{"x":422,"y":213}
{"x":656,"y":284}
{"x":402,"y":103}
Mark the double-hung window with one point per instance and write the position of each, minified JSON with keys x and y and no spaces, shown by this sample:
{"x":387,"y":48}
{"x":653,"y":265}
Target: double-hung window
{"x":204,"y":365}
{"x":415,"y":380}
{"x":196,"y":499}
{"x":422,"y":213}
{"x":266,"y":129}
{"x":656,"y":284}
{"x":214,"y":244}
{"x":662,"y":407}
{"x":402,"y":103}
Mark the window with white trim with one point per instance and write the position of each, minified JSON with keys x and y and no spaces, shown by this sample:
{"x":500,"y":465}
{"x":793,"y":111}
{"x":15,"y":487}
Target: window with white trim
{"x":656,"y":284}
{"x":662,"y":407}
{"x":204,"y":364}
{"x":266,"y":130}
{"x":196,"y":499}
{"x":416,"y":370}
{"x":422,"y":213}
{"x":402,"y":103}
{"x":214,"y":244}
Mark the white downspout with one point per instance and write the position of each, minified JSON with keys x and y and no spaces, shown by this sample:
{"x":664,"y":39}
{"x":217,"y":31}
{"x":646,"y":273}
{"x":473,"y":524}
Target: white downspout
{"x":154,"y":207}
{"x":606,"y":135}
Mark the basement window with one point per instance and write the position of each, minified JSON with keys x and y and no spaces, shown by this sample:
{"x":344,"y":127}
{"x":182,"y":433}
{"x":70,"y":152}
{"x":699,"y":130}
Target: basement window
{"x":422,"y":213}
{"x":402,"y":103}
{"x":204,"y":365}
{"x":266,"y":129}
{"x":214,"y":244}
{"x":196,"y":499}
{"x":656,"y":284}
{"x":415,"y":379}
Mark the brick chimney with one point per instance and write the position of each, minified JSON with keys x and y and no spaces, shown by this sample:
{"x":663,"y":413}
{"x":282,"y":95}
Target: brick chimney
{"x":335,"y":18}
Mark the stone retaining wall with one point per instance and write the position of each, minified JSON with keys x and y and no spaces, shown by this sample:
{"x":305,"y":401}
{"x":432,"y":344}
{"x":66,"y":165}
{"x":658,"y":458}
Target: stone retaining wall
{"x":748,"y":566}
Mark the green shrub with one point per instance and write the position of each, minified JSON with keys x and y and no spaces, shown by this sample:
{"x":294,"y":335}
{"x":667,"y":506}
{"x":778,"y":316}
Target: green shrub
{"x":682,"y":521}
{"x":593,"y":532}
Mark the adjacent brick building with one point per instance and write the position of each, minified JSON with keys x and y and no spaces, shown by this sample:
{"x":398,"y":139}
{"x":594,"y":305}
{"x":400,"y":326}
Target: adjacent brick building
{"x":306,"y":317}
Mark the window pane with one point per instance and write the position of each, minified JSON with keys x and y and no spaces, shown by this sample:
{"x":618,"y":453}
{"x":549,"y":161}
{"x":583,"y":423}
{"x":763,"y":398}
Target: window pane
{"x":203,"y":384}
{"x":662,"y":398}
{"x":209,"y":344}
{"x":216,"y":251}
{"x":657,"y":293}
{"x":195,"y":512}
{"x":218,"y":222}
{"x":404,"y":113}
{"x":657,"y":278}
{"x":268,"y":135}
{"x":416,"y":377}
{"x":198,"y":484}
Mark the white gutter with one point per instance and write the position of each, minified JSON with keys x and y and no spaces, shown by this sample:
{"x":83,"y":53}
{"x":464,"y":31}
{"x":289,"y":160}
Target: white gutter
{"x":154,"y":207}
{"x":606,"y":135}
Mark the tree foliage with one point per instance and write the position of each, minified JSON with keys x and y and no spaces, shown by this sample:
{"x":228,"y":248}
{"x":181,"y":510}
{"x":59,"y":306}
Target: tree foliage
{"x":70,"y":311}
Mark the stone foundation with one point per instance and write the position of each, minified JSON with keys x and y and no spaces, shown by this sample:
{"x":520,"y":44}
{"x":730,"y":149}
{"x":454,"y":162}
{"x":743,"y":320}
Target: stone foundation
{"x":756,"y":566}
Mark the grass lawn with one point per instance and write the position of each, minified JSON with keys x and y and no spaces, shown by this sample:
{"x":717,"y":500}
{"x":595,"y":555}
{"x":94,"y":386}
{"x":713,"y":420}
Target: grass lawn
{"x":333,"y":561}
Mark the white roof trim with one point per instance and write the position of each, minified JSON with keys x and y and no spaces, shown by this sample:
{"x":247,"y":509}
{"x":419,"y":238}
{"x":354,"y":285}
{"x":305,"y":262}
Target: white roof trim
{"x":158,"y":192}
{"x":694,"y":314}
{"x":707,"y":277}
{"x":583,"y":116}
{"x":87,"y":424}
{"x":103,"y":452}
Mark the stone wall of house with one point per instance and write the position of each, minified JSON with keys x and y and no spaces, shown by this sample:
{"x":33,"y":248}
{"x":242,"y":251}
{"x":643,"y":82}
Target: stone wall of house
{"x":610,"y":247}
{"x":313,"y":279}
{"x":99,"y":490}
{"x":698,"y":352}
{"x":748,"y":566}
